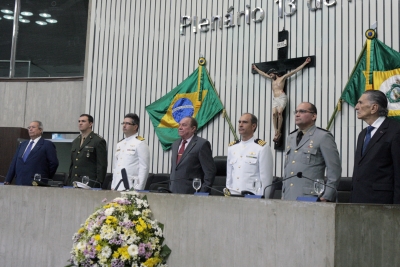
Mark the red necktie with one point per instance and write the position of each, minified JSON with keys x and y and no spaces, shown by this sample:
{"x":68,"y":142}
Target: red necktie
{"x":181,"y":150}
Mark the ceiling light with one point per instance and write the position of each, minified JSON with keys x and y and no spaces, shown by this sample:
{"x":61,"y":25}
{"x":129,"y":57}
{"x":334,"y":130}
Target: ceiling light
{"x":26,"y":13}
{"x":45,"y":15}
{"x":51,"y":20}
{"x":24,"y":20}
{"x":7,"y":11}
{"x":8,"y":17}
{"x":41,"y":22}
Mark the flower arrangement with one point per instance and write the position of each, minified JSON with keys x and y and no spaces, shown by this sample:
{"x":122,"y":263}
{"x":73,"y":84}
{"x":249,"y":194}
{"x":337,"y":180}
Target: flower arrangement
{"x":118,"y":234}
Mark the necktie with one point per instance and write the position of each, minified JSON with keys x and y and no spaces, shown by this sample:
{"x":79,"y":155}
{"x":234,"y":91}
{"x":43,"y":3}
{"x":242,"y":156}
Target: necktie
{"x":298,"y":138}
{"x":28,"y":151}
{"x":181,"y":150}
{"x":367,"y":138}
{"x":83,"y":140}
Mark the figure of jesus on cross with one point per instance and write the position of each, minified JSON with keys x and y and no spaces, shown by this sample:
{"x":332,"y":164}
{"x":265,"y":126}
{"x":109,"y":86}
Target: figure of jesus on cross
{"x":279,"y":99}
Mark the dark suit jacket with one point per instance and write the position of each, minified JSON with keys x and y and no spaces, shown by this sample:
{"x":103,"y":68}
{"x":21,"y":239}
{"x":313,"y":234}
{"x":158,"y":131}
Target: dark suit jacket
{"x":376,"y":177}
{"x":90,"y":159}
{"x":42,"y":160}
{"x":196,"y":162}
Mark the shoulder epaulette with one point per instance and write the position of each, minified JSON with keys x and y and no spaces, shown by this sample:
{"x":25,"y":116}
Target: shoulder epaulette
{"x":260,"y":142}
{"x":294,"y":131}
{"x":140,"y":138}
{"x":98,"y":136}
{"x":325,"y":130}
{"x":234,"y":142}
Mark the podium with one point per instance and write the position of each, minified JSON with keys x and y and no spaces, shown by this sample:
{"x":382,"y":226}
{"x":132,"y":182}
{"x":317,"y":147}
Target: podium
{"x":38,"y":224}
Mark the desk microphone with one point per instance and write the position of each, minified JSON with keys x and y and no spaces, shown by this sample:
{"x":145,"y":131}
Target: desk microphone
{"x":97,"y":182}
{"x":277,"y":182}
{"x":124,"y":180}
{"x":225,"y":193}
{"x":300,"y":175}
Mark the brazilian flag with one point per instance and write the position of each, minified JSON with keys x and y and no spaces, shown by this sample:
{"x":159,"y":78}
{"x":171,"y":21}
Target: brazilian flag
{"x":195,"y":97}
{"x":377,"y":68}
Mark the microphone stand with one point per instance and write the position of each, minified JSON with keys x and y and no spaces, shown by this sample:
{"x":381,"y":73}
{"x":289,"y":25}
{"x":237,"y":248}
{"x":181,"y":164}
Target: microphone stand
{"x":277,"y":182}
{"x":300,"y":175}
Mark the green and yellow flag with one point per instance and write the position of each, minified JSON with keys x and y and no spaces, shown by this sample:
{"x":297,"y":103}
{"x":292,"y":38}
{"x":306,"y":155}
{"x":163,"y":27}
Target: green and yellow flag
{"x":377,"y":68}
{"x":195,"y":97}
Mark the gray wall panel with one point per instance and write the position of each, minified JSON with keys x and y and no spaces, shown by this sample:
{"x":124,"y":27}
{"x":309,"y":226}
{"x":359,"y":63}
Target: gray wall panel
{"x":12,"y":101}
{"x":56,"y":104}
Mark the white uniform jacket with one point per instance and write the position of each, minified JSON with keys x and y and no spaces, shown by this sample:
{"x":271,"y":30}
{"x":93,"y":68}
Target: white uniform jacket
{"x":247,"y":161}
{"x":133,"y":154}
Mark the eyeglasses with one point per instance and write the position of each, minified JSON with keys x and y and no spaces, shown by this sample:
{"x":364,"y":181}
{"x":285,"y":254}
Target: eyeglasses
{"x":302,"y":111}
{"x":127,"y":123}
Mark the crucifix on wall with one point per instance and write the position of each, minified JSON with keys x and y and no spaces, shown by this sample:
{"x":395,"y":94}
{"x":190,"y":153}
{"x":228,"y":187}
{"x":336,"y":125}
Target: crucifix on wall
{"x":277,"y":72}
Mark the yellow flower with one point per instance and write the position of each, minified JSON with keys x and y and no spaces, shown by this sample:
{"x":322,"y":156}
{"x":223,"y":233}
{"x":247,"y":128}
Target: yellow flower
{"x":115,"y":254}
{"x":111,"y":220}
{"x":98,"y":248}
{"x":123,"y":251}
{"x":139,"y":228}
{"x":151,"y":262}
{"x":97,"y":237}
{"x":81,"y":230}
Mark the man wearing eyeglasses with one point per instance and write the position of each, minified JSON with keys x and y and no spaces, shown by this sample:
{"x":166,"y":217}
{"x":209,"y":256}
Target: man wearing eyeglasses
{"x":310,"y":150}
{"x":133,"y":154}
{"x":88,"y":155}
{"x":34,"y":156}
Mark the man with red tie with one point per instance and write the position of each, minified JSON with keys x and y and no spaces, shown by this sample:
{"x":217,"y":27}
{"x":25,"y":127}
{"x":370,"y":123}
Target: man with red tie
{"x":34,"y":156}
{"x":191,"y":158}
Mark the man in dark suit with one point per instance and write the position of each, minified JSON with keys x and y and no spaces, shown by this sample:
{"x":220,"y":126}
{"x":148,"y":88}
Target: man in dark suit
{"x":88,"y":155}
{"x":36,"y":156}
{"x":191,"y":158}
{"x":376,"y":176}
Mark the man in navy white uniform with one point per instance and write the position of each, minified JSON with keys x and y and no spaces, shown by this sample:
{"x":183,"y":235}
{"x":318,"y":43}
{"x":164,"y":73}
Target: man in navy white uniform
{"x":310,"y":150}
{"x":248,"y":160}
{"x":133,"y":154}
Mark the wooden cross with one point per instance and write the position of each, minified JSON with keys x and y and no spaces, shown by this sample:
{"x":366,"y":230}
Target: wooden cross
{"x":282,"y":65}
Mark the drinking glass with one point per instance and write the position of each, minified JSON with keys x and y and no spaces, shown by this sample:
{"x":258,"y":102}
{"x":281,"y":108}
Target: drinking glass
{"x":196,"y":184}
{"x":85,"y":180}
{"x":37,"y":177}
{"x":257,"y":186}
{"x":319,"y":186}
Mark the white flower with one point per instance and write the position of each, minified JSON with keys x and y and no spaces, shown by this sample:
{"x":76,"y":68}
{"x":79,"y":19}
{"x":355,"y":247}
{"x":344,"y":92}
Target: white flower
{"x":133,"y":250}
{"x":109,"y":211}
{"x":80,"y":245}
{"x":106,"y":252}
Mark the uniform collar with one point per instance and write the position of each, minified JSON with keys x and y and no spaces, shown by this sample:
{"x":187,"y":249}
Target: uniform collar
{"x":131,"y":137}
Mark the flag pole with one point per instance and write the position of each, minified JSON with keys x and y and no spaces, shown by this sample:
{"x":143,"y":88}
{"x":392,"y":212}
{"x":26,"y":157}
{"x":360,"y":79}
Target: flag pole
{"x":339,"y":104}
{"x":228,"y":120}
{"x":337,"y":108}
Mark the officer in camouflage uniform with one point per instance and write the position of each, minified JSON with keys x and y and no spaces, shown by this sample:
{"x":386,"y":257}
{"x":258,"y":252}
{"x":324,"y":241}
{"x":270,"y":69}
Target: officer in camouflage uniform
{"x":88,"y":155}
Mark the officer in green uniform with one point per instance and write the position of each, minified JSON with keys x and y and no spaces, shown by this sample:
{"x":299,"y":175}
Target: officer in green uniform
{"x":88,"y":155}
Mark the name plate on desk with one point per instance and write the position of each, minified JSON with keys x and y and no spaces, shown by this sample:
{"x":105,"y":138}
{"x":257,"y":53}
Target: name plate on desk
{"x":308,"y":199}
{"x":201,"y":194}
{"x":252,"y":196}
